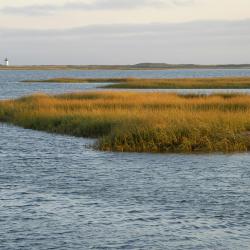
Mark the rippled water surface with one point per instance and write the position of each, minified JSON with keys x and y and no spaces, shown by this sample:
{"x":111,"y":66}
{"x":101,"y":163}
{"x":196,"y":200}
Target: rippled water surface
{"x":10,"y":85}
{"x":59,"y":193}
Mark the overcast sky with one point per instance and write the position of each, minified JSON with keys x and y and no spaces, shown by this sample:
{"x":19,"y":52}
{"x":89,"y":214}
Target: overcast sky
{"x":125,"y":31}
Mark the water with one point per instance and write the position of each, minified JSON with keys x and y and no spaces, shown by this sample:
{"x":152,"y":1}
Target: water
{"x":58,"y":193}
{"x":11,"y":87}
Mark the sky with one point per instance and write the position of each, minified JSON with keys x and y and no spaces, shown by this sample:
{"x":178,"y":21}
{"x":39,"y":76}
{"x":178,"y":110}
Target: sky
{"x":124,"y":31}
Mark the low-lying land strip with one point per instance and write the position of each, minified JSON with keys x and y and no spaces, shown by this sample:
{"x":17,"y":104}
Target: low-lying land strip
{"x":140,"y":83}
{"x":139,"y":122}
{"x":139,"y":66}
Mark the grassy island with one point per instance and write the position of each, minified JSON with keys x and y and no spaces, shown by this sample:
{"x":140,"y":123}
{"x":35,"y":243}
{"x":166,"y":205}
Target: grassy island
{"x":140,"y":83}
{"x":139,"y":122}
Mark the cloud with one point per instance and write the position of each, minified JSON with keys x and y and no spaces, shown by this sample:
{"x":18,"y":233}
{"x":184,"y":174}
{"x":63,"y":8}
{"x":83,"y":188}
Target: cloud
{"x":48,"y":9}
{"x":195,"y":42}
{"x":210,"y":29}
{"x":30,"y":10}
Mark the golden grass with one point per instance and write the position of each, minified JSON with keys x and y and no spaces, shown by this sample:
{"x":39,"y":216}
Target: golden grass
{"x":140,"y":83}
{"x":139,"y":122}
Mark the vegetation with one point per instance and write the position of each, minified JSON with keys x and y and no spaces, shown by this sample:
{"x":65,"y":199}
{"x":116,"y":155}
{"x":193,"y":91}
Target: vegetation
{"x":188,"y":83}
{"x":138,"y":83}
{"x":139,"y":122}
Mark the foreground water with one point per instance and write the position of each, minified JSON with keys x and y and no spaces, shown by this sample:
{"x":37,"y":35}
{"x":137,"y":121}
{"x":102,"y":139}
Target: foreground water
{"x":59,"y":193}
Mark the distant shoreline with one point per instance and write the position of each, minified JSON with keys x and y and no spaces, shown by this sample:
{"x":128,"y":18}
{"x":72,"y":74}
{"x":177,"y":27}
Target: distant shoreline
{"x":164,"y":83}
{"x":141,"y":66}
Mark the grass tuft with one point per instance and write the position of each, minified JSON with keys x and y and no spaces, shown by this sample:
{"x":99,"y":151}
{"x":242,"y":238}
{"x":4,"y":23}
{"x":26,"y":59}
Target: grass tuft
{"x":140,"y":83}
{"x":139,"y":122}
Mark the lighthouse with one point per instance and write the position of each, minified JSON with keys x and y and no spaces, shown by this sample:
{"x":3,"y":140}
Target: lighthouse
{"x":6,"y":62}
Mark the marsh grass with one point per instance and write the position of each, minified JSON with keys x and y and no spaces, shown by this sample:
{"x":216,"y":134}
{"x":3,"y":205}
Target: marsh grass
{"x":139,"y":122}
{"x":140,"y":83}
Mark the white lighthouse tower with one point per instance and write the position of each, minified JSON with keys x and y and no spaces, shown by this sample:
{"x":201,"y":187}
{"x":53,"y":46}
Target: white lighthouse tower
{"x":6,"y":62}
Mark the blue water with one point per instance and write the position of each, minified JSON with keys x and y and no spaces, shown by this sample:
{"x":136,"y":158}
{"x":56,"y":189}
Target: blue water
{"x":57,"y":192}
{"x":10,"y":85}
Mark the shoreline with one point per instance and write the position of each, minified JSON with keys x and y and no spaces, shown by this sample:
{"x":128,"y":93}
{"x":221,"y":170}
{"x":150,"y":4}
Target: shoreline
{"x":123,"y":67}
{"x":139,"y":122}
{"x":158,"y":83}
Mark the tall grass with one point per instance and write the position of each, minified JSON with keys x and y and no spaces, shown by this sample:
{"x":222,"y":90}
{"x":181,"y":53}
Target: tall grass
{"x":139,"y":122}
{"x":140,"y":83}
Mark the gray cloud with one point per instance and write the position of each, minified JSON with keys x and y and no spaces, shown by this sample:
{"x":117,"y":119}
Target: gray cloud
{"x":194,"y":42}
{"x":195,"y":28}
{"x":30,"y":10}
{"x":48,"y":9}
